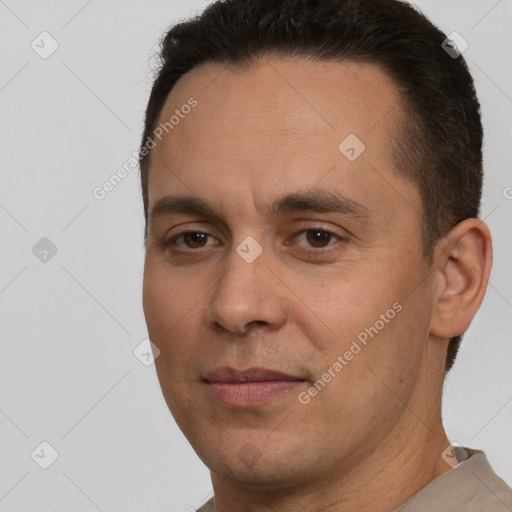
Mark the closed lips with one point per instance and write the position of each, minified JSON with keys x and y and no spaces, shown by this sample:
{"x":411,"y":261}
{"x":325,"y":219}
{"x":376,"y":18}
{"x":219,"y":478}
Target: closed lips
{"x":231,"y":375}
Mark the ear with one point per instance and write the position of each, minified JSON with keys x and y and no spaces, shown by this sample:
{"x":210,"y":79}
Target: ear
{"x":464,"y":258}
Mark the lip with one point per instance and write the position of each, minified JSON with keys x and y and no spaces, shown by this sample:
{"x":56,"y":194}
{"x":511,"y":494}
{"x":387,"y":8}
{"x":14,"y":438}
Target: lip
{"x":229,"y":374}
{"x":251,"y":387}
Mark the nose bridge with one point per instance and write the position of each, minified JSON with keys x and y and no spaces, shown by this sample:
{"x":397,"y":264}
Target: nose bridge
{"x":245,"y":294}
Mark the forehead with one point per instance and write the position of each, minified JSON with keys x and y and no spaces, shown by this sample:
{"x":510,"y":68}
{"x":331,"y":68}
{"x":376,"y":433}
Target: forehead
{"x":304,"y":96}
{"x":275,"y":123}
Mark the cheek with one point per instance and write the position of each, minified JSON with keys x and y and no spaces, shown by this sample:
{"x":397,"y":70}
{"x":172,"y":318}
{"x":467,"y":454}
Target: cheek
{"x":170,"y":305}
{"x":171,"y":308}
{"x":333,"y":312}
{"x":368,"y":370}
{"x":374,"y":319}
{"x":167,"y":294}
{"x":157,"y":303}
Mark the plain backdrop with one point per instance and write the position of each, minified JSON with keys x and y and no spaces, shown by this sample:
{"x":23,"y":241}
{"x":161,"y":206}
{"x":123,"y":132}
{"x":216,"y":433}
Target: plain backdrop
{"x":71,"y":265}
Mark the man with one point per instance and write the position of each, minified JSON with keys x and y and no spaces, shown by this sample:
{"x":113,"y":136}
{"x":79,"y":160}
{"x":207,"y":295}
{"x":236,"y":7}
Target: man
{"x":311,"y":174}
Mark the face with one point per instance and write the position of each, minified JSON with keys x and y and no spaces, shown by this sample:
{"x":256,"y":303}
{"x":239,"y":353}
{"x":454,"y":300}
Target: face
{"x":284,"y":280}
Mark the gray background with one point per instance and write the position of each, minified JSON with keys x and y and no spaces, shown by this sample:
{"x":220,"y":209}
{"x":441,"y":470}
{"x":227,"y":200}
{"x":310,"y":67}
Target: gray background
{"x":69,"y":324}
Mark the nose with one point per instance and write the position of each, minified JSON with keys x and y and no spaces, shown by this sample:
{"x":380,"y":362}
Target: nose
{"x":247,"y":296}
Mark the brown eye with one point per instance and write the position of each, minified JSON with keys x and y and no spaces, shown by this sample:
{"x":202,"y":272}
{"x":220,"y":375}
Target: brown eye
{"x":195,"y":240}
{"x":318,"y":237}
{"x":192,"y":240}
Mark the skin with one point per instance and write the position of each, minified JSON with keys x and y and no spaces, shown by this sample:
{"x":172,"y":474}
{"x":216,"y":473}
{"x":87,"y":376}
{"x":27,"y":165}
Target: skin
{"x":373,"y":436}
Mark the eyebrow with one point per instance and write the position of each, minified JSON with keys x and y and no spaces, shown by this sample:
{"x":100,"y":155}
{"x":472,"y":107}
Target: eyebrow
{"x":321,"y":201}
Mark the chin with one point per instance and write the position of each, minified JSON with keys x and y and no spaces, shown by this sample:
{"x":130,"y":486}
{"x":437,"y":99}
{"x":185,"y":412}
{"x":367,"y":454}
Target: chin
{"x":257,"y":462}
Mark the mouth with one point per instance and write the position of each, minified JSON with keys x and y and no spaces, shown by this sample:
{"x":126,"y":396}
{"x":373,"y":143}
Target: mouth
{"x":251,"y":387}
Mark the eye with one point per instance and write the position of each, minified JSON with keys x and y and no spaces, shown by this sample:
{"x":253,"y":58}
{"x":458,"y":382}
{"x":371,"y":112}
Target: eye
{"x":191,"y":240}
{"x":318,"y":238}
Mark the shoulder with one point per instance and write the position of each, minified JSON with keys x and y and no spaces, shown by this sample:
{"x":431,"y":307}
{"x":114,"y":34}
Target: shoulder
{"x":472,"y":486}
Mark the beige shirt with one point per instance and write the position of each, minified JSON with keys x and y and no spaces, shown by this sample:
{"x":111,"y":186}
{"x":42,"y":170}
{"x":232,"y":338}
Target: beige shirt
{"x":472,"y":486}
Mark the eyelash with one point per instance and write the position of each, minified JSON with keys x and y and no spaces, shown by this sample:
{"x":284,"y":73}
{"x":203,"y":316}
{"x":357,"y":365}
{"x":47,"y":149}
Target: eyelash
{"x":306,"y":251}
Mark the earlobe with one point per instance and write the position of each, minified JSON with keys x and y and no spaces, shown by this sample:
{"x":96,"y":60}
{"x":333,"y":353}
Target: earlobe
{"x":464,"y":264}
